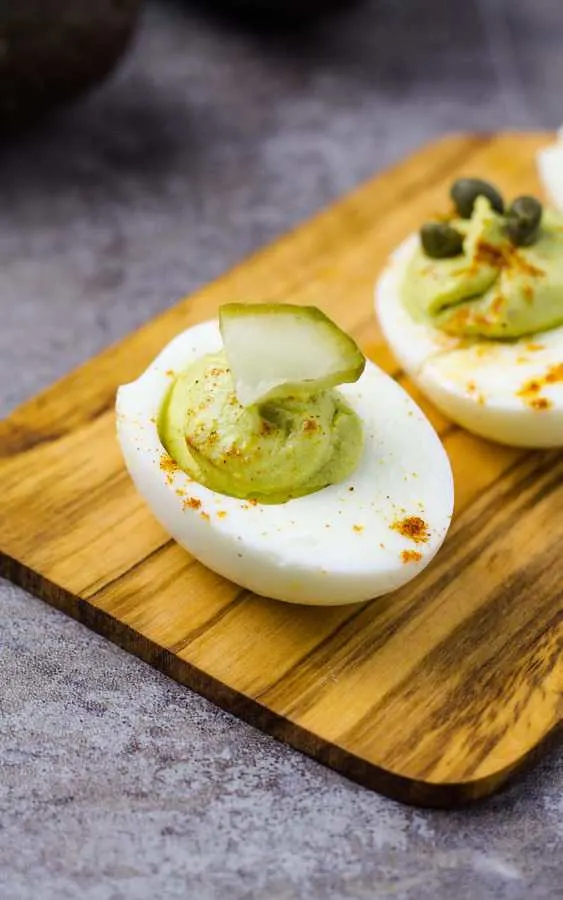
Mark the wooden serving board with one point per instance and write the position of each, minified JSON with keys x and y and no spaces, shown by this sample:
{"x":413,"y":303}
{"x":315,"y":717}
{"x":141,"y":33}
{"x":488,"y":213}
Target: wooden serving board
{"x":434,"y":695}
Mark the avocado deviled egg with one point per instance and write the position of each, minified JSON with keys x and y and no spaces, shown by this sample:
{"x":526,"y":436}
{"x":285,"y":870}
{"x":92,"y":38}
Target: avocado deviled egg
{"x":270,"y":449}
{"x":550,"y":170}
{"x":472,"y":308}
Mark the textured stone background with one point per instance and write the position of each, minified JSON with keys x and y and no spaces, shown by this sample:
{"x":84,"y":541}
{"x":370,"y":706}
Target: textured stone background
{"x":115,"y":782}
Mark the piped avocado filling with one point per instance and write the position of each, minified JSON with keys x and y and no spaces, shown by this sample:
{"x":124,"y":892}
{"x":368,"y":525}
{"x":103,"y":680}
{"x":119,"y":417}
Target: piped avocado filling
{"x":272,"y":452}
{"x":502,"y":280}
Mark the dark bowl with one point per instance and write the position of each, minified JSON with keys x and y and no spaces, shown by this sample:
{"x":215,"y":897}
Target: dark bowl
{"x":51,"y":51}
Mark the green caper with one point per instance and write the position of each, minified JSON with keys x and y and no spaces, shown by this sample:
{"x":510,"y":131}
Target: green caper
{"x":465,"y":191}
{"x":440,"y":241}
{"x":523,"y":221}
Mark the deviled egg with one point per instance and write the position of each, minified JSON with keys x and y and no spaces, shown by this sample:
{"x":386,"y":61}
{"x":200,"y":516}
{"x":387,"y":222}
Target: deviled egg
{"x":550,"y":170}
{"x":472,"y":308}
{"x":270,"y":449}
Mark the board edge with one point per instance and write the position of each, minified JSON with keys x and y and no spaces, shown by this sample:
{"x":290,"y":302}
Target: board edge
{"x":411,"y":792}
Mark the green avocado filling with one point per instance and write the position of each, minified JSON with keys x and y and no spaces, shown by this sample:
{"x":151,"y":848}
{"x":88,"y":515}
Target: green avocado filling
{"x":273,"y":452}
{"x":493,"y":289}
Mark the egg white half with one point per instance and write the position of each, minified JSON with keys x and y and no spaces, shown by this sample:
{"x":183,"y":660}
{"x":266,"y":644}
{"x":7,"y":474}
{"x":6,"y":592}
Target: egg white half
{"x":340,"y":545}
{"x":508,"y":392}
{"x":550,"y":169}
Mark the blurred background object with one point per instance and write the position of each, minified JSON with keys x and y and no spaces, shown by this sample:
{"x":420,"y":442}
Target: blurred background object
{"x":53,"y":50}
{"x":273,"y":14}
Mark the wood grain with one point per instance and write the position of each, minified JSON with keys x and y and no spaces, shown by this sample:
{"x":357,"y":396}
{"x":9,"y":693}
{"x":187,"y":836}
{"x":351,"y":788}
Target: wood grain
{"x":435,"y":695}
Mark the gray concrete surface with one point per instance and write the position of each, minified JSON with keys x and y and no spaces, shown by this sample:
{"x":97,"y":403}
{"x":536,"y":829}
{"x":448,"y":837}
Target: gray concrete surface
{"x":115,"y":782}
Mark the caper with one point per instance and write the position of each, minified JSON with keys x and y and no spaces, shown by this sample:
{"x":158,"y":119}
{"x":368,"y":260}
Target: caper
{"x":465,"y":191}
{"x":523,"y":221}
{"x":440,"y":241}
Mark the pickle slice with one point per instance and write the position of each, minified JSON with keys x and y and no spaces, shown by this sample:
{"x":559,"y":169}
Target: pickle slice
{"x":277,"y":350}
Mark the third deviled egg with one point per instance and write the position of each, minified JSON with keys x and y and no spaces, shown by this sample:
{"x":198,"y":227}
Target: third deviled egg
{"x":550,"y":170}
{"x":472,"y":308}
